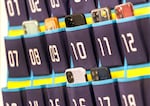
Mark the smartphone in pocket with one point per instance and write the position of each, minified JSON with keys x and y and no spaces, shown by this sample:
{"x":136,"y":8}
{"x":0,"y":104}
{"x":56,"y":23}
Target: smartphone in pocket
{"x":124,"y":10}
{"x":31,"y":26}
{"x":51,"y":23}
{"x":100,"y":73}
{"x":75,"y":20}
{"x":76,"y":75}
{"x":101,"y":14}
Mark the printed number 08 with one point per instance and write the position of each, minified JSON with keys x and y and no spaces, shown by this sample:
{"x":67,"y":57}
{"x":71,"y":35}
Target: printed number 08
{"x":34,"y":56}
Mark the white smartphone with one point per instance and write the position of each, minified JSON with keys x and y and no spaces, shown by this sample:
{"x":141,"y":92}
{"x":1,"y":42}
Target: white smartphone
{"x":76,"y":75}
{"x":31,"y":26}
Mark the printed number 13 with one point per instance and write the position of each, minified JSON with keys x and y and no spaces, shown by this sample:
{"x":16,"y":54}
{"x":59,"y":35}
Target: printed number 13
{"x":77,"y":1}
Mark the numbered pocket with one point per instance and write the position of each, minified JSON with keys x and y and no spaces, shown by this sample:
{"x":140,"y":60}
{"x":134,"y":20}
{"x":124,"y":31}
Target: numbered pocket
{"x":136,"y":1}
{"x":105,"y":92}
{"x":16,"y":12}
{"x":37,"y":9}
{"x":57,"y":50}
{"x":33,"y":96}
{"x":144,"y":23}
{"x":12,"y":97}
{"x":57,"y":7}
{"x":81,"y":6}
{"x":146,"y":92}
{"x":106,"y":44}
{"x":36,"y":54}
{"x":17,"y":64}
{"x":131,"y":41}
{"x":108,"y":3}
{"x":55,"y":95}
{"x":131,"y":92}
{"x":79,"y":95}
{"x":80,"y":47}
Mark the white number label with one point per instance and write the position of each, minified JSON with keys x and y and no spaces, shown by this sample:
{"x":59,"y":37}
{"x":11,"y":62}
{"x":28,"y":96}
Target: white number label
{"x":129,"y":99}
{"x":129,"y":44}
{"x":77,"y":1}
{"x":11,"y":7}
{"x":34,"y":103}
{"x":55,"y":3}
{"x":34,"y":6}
{"x":13,"y":59}
{"x":12,"y":104}
{"x":107,"y":45}
{"x":107,"y":99}
{"x":80,"y":49}
{"x":81,"y":102}
{"x":54,"y":53}
{"x":55,"y":102}
{"x":34,"y":56}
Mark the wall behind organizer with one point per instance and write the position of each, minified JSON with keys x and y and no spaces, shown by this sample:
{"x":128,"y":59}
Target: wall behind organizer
{"x":3,"y":32}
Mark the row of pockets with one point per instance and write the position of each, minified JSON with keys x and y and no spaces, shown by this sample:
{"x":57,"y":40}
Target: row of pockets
{"x":40,"y":10}
{"x":112,"y":92}
{"x":100,"y":44}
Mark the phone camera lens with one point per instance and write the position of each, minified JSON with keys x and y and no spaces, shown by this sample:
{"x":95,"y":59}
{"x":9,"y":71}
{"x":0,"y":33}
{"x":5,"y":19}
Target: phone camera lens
{"x":70,"y":77}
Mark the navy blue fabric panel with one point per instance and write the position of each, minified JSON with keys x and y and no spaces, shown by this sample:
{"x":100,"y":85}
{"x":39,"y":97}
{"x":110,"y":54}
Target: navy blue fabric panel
{"x":16,"y":59}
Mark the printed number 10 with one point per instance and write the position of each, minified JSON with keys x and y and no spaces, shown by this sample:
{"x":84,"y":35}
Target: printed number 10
{"x":80,"y":49}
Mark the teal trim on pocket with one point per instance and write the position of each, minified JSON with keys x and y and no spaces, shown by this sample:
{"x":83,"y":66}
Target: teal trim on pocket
{"x":13,"y":37}
{"x":103,"y":23}
{"x":78,"y":27}
{"x":15,"y":27}
{"x":19,"y":79}
{"x":33,"y":35}
{"x":78,"y":84}
{"x":10,"y":90}
{"x":129,"y":79}
{"x":103,"y":82}
{"x":42,"y":77}
{"x":55,"y":85}
{"x":128,"y":19}
{"x":55,"y":31}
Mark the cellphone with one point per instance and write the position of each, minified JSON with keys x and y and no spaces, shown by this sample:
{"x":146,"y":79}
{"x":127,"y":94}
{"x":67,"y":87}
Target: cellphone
{"x":101,"y":73}
{"x":31,"y":26}
{"x":76,"y":75}
{"x":75,"y":20}
{"x":124,"y":10}
{"x":51,"y":23}
{"x":101,"y":14}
